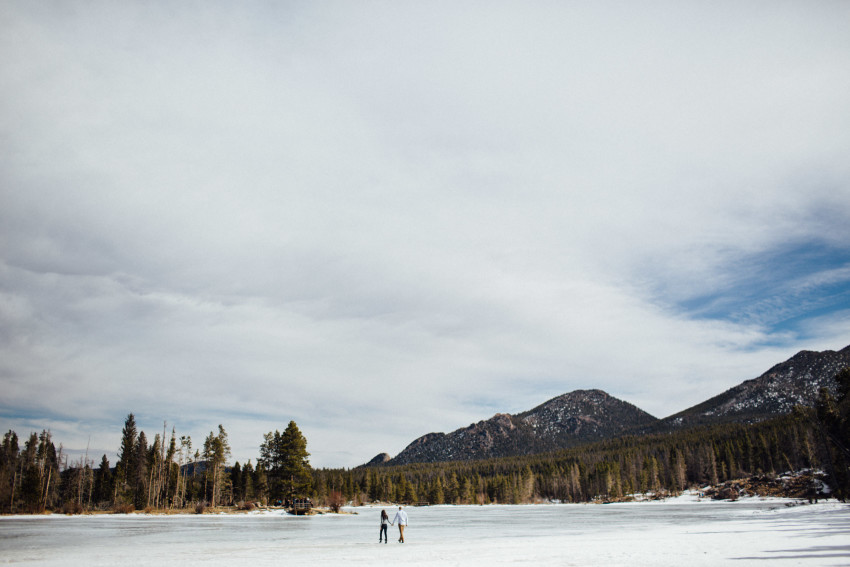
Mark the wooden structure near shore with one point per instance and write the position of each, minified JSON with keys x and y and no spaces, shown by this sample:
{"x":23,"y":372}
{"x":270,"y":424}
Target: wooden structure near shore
{"x":300,"y":507}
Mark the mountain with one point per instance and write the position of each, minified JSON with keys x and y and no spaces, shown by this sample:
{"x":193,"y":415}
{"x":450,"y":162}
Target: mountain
{"x":796,"y":381}
{"x":571,"y":419}
{"x":585,"y":416}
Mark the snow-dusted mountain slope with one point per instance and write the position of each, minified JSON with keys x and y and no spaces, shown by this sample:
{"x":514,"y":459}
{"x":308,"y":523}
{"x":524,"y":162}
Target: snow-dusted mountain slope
{"x":585,"y":416}
{"x":582,"y":416}
{"x":796,"y":381}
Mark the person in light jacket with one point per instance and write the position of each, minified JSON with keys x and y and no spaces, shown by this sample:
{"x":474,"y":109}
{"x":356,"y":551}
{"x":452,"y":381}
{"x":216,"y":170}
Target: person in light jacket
{"x":401,"y":519}
{"x":384,"y":521}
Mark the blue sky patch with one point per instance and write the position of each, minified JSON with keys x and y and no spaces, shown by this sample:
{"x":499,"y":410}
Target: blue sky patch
{"x":781,"y":288}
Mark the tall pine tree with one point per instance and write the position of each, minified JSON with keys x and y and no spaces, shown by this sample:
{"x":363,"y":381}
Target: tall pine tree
{"x":124,"y":481}
{"x":285,"y":459}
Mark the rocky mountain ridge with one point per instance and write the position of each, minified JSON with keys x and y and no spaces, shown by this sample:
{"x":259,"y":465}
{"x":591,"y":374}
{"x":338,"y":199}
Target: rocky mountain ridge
{"x":586,"y":416}
{"x":796,"y":381}
{"x":582,"y":416}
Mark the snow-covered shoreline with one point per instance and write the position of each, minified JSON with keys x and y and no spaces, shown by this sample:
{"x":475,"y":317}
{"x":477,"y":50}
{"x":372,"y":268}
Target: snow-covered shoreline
{"x":682,"y":530}
{"x":688,"y":497}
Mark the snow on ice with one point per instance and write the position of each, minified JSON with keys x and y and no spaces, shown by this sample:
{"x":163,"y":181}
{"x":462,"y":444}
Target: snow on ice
{"x":683,"y":531}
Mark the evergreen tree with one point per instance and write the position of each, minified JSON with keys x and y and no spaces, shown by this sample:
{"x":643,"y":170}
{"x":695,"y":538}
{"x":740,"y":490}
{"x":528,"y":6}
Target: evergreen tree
{"x":125,"y":468}
{"x":437,"y":495}
{"x":453,"y":489}
{"x":409,"y":494}
{"x":679,"y":470}
{"x":154,"y":465}
{"x":526,"y":485}
{"x":30,"y":492}
{"x":137,"y":476}
{"x":103,"y":482}
{"x":833,"y":416}
{"x":40,"y":473}
{"x":9,"y":476}
{"x":261,"y":484}
{"x":284,"y":456}
{"x":237,"y":482}
{"x":248,"y":482}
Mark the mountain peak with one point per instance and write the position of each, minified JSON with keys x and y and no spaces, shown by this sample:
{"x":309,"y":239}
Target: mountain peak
{"x":564,"y":421}
{"x":583,"y":416}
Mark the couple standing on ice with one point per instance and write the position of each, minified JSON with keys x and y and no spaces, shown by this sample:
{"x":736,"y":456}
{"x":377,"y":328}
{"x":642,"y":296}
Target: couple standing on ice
{"x":400,"y":518}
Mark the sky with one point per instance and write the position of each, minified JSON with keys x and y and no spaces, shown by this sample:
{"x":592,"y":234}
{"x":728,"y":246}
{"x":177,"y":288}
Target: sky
{"x":383,"y":219}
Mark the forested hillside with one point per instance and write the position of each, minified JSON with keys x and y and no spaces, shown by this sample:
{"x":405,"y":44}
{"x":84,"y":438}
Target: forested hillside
{"x":662,"y":463}
{"x":609,"y":470}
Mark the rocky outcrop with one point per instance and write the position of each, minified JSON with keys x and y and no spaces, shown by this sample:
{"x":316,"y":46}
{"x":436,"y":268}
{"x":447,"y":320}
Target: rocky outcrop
{"x":379,"y":460}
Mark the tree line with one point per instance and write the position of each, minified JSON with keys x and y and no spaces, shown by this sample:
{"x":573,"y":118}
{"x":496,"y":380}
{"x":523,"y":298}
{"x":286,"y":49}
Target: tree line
{"x":157,"y":475}
{"x":659,"y":464}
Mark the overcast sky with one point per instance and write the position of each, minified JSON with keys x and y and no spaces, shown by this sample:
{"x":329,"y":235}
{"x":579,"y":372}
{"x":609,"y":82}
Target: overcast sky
{"x":383,"y":219}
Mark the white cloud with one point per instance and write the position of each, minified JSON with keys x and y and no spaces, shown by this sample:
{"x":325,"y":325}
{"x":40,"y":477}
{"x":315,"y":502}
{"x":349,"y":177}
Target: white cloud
{"x":390,"y":219}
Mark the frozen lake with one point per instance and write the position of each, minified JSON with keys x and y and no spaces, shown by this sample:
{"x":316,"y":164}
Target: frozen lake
{"x":677,"y":533}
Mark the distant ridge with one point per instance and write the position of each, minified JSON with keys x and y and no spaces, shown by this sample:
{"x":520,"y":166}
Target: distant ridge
{"x":586,"y":416}
{"x":582,"y":416}
{"x":794,"y":382}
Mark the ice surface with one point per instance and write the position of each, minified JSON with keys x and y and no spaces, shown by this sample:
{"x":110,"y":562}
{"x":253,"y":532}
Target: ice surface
{"x":679,"y":532}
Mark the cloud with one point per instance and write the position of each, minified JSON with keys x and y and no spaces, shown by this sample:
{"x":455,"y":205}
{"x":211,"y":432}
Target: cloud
{"x":391,"y":219}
